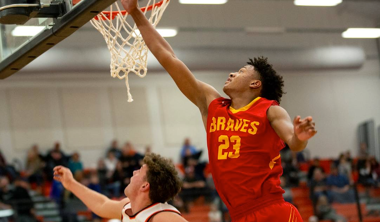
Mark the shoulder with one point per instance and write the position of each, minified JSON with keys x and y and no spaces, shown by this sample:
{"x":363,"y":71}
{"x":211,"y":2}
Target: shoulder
{"x":167,"y":216}
{"x":275,"y":112}
{"x":124,"y":202}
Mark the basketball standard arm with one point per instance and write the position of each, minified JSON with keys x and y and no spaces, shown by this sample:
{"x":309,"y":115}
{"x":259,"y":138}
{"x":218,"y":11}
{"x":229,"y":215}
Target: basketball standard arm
{"x":96,"y":202}
{"x":199,"y":93}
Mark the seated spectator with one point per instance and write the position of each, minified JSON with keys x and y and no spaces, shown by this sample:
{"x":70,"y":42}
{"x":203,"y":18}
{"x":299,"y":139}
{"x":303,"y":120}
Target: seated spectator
{"x":76,"y":166}
{"x":348,"y":157}
{"x":57,"y":193}
{"x":57,"y":149}
{"x":339,"y":187}
{"x":119,"y":180}
{"x":22,"y":201}
{"x":301,"y":156}
{"x":6,"y":169}
{"x":94,"y":184}
{"x":17,"y":198}
{"x":187,"y":151}
{"x":290,"y":173}
{"x":55,"y":157}
{"x":344,"y":167}
{"x":198,"y":168}
{"x":102,"y":175}
{"x":326,"y":212}
{"x":110,"y":163}
{"x":375,"y":170}
{"x":3,"y":164}
{"x":187,"y":146}
{"x":365,"y":172}
{"x":318,"y":185}
{"x":336,"y":162}
{"x":5,"y":192}
{"x":315,"y":165}
{"x":288,"y":193}
{"x":34,"y":167}
{"x":114,"y":149}
{"x":130,"y":158}
{"x":192,"y":188}
{"x":286,"y":154}
{"x":35,"y":149}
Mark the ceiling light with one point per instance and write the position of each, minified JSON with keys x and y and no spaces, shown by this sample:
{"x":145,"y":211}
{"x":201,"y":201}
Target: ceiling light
{"x":163,"y":32}
{"x":317,"y":2}
{"x":167,"y":32}
{"x":27,"y":30}
{"x":362,"y":33}
{"x":204,"y":2}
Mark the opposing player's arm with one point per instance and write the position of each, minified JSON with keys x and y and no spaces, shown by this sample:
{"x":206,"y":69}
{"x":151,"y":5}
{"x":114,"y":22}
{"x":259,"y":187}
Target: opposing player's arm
{"x":294,"y":134}
{"x":199,"y":93}
{"x":167,"y":216}
{"x":96,"y":202}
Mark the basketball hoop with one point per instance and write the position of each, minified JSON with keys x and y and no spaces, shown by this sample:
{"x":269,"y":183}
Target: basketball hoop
{"x":129,"y":52}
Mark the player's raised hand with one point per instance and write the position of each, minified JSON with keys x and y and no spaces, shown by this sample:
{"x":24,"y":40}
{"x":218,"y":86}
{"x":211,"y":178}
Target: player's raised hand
{"x":129,"y":5}
{"x":63,"y":175}
{"x":304,"y":129}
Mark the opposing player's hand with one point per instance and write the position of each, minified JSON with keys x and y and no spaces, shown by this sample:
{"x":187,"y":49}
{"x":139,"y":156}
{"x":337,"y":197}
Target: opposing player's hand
{"x":129,"y":5}
{"x":63,"y":175}
{"x":304,"y":129}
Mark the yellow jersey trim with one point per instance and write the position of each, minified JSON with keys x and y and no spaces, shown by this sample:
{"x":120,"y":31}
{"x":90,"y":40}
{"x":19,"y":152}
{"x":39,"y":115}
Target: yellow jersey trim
{"x":291,"y":215}
{"x":245,"y":107}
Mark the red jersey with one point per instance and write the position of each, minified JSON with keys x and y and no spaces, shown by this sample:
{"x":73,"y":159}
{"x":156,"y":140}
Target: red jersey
{"x":244,"y":154}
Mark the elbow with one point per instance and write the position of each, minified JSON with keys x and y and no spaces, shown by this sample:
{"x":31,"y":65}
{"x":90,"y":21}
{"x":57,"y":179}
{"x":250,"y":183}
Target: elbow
{"x":167,"y":58}
{"x":173,"y":56}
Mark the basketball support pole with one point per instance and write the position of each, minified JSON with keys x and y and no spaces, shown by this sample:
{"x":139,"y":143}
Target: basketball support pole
{"x":63,"y":28}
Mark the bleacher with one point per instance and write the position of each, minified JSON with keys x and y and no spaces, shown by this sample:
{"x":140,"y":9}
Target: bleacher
{"x":369,"y":198}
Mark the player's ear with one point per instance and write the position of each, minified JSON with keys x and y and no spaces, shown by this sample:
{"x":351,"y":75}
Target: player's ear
{"x":255,"y":84}
{"x":145,"y":186}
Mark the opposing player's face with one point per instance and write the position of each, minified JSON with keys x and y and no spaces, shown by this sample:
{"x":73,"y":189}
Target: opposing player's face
{"x":240,"y":80}
{"x":137,"y":181}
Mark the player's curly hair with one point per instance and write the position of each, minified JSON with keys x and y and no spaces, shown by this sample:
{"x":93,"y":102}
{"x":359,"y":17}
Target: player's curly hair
{"x":272,"y":83}
{"x":162,"y":177}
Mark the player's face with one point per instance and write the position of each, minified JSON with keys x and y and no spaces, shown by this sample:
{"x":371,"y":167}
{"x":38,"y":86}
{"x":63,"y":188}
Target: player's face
{"x":137,"y":181}
{"x":240,"y":80}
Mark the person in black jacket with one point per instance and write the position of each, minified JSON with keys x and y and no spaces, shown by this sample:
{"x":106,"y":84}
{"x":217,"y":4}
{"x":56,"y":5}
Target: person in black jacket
{"x":18,"y":198}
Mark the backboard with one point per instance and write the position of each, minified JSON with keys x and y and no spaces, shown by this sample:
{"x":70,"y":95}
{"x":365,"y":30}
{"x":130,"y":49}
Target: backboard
{"x":21,"y":44}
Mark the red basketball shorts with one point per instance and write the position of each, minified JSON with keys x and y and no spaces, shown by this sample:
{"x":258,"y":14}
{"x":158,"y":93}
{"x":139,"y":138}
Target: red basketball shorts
{"x":279,"y":212}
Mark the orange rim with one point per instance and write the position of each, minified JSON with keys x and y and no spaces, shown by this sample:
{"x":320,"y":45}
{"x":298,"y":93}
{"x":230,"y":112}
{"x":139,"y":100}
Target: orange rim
{"x":111,"y":15}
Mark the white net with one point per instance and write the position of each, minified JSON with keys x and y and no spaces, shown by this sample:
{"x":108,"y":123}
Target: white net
{"x":127,"y":47}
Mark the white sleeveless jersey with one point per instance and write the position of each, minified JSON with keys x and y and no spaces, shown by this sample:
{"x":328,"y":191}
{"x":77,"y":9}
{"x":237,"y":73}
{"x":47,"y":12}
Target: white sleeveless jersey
{"x":147,"y":213}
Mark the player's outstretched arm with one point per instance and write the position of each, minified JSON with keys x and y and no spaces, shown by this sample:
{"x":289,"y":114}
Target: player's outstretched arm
{"x":96,"y":202}
{"x":295,"y":135}
{"x":199,"y":93}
